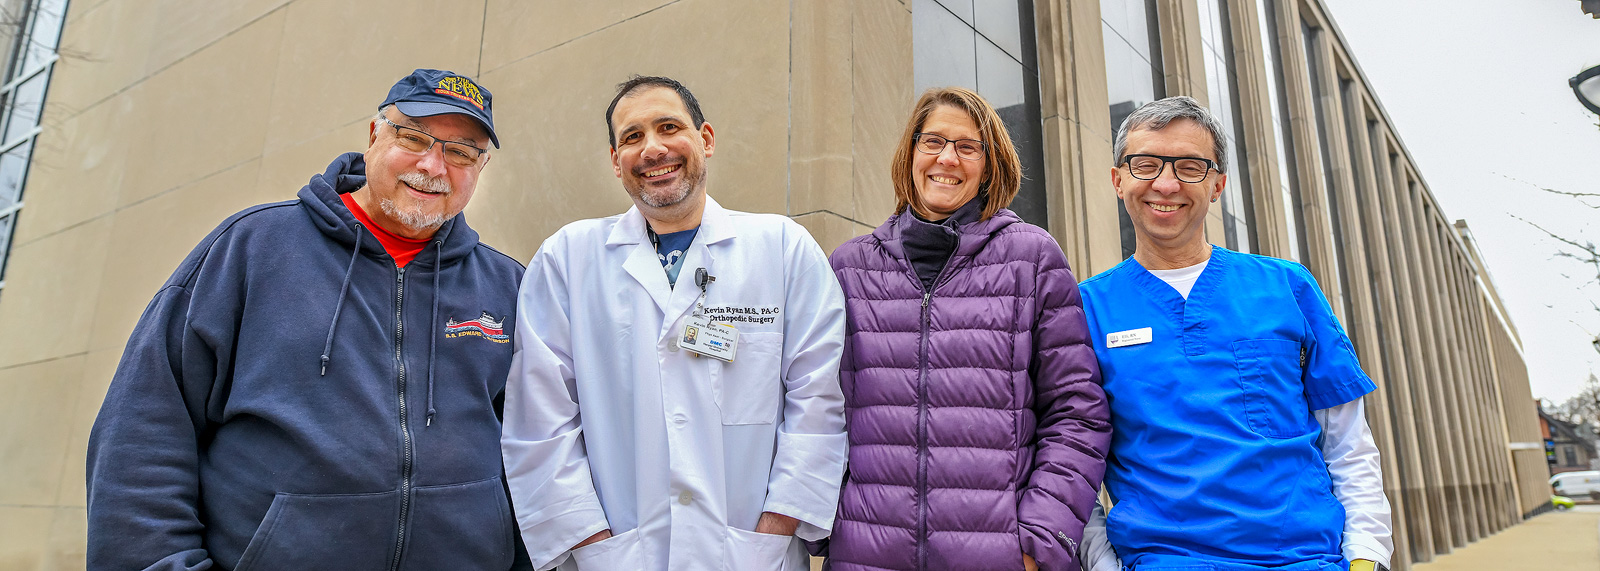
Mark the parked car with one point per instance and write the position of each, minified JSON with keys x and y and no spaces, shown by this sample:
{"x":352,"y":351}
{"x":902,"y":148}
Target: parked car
{"x":1585,"y":483}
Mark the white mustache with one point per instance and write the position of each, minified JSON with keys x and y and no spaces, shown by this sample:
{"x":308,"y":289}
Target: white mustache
{"x":421,"y":181}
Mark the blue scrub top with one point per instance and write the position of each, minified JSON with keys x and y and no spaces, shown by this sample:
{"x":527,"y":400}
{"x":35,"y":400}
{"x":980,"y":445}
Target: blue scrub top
{"x":1214,"y":454}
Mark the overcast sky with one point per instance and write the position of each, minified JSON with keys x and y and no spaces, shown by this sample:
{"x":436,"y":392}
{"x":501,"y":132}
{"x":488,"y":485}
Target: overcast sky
{"x":1477,"y":90}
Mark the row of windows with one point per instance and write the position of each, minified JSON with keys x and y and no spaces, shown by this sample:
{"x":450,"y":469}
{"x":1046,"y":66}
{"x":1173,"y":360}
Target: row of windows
{"x":36,"y":31}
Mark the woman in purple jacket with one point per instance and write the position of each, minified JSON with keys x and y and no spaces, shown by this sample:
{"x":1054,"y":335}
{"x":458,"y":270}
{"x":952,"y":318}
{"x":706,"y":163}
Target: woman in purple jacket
{"x":978,"y":428}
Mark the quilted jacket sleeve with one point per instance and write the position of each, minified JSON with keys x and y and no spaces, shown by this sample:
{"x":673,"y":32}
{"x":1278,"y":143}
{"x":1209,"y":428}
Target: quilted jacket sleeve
{"x":1074,"y":428}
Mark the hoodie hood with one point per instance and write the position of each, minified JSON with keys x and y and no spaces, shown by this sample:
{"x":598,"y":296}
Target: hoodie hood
{"x":347,"y":174}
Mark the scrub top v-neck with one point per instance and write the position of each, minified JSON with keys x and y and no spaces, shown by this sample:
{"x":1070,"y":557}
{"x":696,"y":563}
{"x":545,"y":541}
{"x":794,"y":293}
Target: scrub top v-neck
{"x":1214,"y":451}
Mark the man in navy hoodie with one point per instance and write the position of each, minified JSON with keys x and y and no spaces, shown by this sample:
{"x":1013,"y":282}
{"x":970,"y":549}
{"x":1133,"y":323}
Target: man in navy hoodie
{"x":319,"y":384}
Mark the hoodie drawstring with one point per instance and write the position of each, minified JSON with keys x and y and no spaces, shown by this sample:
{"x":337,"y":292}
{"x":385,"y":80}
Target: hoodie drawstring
{"x":433,"y":338}
{"x":344,"y":289}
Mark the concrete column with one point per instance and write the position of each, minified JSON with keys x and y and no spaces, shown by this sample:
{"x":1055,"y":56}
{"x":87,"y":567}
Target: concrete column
{"x":1401,"y":458}
{"x":1318,"y":229}
{"x":1445,"y":513}
{"x":1258,"y":139}
{"x":1077,"y":133}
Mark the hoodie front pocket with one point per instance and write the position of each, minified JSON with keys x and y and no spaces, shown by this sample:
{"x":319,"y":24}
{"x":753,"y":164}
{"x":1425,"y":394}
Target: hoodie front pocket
{"x":324,"y":532}
{"x":750,"y":388}
{"x":461,"y":526}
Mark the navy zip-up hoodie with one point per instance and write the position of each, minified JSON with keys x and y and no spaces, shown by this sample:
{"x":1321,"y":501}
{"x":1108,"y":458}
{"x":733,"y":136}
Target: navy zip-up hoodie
{"x":292,"y":400}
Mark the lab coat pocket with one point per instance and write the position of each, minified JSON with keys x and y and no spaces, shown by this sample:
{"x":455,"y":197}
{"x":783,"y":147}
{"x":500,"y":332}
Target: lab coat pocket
{"x":751,"y":551}
{"x":750,"y":388}
{"x":616,"y":552}
{"x":1269,"y":378}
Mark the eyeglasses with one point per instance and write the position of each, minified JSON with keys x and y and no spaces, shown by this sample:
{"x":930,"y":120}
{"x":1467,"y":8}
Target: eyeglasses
{"x":1187,"y":169}
{"x":455,"y":152}
{"x":931,"y":144}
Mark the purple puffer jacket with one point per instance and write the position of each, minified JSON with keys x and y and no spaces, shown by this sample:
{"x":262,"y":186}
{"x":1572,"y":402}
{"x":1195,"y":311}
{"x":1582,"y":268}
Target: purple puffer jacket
{"x":978,"y":427}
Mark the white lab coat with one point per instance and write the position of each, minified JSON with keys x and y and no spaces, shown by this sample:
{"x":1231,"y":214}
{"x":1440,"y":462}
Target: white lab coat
{"x":609,"y":425}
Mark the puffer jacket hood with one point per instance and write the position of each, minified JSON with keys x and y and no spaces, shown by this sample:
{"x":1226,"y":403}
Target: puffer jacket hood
{"x":977,"y":424}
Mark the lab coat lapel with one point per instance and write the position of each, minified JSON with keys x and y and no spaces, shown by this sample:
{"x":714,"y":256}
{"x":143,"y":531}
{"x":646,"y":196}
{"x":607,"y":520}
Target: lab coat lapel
{"x":715,"y":228}
{"x":640,"y":261}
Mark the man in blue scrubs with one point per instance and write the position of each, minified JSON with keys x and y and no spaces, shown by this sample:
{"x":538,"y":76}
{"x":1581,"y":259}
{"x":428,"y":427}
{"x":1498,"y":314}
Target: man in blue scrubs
{"x":1239,"y":441}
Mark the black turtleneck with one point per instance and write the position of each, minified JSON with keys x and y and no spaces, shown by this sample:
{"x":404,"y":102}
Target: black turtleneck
{"x":929,"y":245}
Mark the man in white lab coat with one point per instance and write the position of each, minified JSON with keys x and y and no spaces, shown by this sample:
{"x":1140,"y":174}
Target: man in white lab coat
{"x":674,"y":399}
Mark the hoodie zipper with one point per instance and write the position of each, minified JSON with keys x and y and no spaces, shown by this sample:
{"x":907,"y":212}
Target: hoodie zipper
{"x":405,"y":427}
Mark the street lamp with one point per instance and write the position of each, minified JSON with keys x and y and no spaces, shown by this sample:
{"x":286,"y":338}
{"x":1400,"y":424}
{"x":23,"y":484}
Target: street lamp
{"x":1587,"y":86}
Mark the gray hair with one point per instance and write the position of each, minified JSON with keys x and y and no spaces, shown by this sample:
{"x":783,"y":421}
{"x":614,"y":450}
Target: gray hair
{"x":382,"y":113}
{"x":1155,"y":116}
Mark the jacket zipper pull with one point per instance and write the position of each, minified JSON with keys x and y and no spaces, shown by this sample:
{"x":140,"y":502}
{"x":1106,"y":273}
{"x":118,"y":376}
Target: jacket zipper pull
{"x":925,"y":297}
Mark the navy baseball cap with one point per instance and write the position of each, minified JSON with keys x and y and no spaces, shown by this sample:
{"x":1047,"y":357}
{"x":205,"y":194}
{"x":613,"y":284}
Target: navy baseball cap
{"x":429,"y":92}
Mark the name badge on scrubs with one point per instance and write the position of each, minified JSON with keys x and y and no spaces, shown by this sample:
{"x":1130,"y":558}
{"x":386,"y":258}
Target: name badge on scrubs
{"x":1130,"y":337}
{"x":703,"y":336}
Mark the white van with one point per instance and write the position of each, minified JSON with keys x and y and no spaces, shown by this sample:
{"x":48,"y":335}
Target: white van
{"x":1579,"y":484}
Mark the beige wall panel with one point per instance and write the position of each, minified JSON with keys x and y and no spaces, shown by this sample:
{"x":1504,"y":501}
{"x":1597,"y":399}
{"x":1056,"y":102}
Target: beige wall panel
{"x":77,"y":8}
{"x":206,"y":111}
{"x":550,"y":110}
{"x":830,"y":230}
{"x":103,"y":48}
{"x":77,"y":171}
{"x":821,"y":158}
{"x":515,"y":29}
{"x":68,"y":543}
{"x":284,"y":170}
{"x":22,"y":531}
{"x":339,"y":58}
{"x":884,"y":94}
{"x":58,"y":278}
{"x":98,"y":368}
{"x":34,"y":416}
{"x":149,"y":239}
{"x":188,"y":26}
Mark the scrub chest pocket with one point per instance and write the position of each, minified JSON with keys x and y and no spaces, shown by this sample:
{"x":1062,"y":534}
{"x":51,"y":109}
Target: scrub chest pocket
{"x":749,"y":388}
{"x":1270,"y":380}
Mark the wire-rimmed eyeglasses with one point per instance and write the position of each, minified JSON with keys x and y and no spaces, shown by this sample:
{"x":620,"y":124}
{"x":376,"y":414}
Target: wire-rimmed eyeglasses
{"x":931,"y":144}
{"x":455,"y":152}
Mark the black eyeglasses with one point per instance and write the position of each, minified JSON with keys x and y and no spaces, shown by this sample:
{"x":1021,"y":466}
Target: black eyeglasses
{"x":455,"y":152}
{"x":931,"y":144}
{"x":1187,"y":169}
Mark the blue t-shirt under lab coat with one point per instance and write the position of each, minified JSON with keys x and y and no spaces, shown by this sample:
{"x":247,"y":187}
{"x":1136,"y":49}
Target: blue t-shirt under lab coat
{"x":1214,"y":453}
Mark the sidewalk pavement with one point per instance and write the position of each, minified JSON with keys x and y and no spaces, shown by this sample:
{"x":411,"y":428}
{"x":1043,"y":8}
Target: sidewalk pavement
{"x":1556,"y":541}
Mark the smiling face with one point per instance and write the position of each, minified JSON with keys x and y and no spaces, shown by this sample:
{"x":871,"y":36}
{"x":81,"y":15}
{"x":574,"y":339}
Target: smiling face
{"x":945,"y":182}
{"x":412,"y":194}
{"x":659,"y":155}
{"x":1169,"y":215}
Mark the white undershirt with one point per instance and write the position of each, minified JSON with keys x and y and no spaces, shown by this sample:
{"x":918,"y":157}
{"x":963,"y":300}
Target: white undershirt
{"x":1181,"y":279}
{"x":1347,"y":449}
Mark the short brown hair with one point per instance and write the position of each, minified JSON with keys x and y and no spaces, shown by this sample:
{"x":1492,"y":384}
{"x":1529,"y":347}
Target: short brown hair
{"x":1002,"y":169}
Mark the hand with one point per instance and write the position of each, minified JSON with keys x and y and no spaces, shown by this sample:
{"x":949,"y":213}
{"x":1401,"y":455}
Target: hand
{"x":596,"y":538}
{"x":776,"y":524}
{"x":1028,"y":564}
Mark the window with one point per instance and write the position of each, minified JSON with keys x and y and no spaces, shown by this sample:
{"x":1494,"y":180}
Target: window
{"x":27,"y":78}
{"x":988,"y":46}
{"x":1572,"y":455}
{"x":1238,"y":208}
{"x":1134,"y":73}
{"x":1287,"y":185}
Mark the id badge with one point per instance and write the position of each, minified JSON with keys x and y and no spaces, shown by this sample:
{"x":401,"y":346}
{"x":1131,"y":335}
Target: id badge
{"x":703,"y":336}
